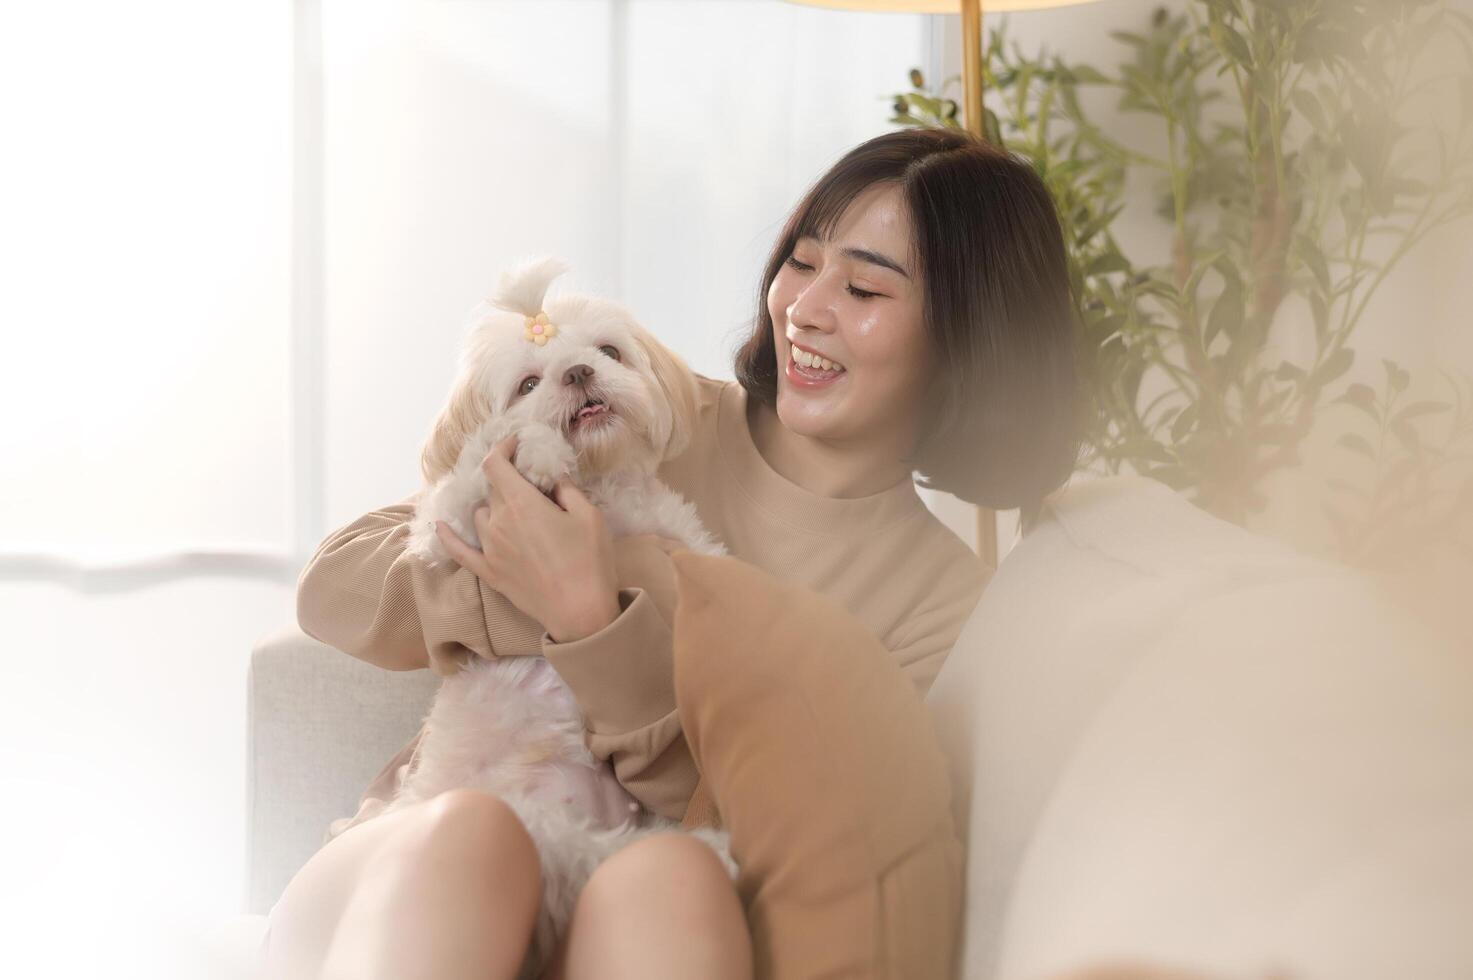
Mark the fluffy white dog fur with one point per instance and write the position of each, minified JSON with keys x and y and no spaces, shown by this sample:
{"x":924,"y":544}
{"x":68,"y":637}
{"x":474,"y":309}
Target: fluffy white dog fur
{"x":509,"y":726}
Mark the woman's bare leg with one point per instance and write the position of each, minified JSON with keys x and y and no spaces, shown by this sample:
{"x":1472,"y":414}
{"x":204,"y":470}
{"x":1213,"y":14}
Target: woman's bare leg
{"x":662,"y":907}
{"x":445,"y":889}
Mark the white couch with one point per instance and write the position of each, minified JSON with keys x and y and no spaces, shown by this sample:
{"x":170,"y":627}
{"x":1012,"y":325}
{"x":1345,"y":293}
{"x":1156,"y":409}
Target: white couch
{"x":1173,"y":742}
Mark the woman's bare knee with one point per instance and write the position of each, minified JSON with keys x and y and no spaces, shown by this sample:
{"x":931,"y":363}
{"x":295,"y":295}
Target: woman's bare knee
{"x":439,"y":863}
{"x":666,"y":864}
{"x":466,"y":826}
{"x":455,"y":895}
{"x":304,"y":918}
{"x":662,"y":907}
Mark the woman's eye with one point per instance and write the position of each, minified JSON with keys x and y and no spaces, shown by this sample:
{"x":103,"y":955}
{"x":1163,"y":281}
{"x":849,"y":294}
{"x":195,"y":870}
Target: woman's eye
{"x":800,"y":266}
{"x":609,"y":350}
{"x":860,"y":293}
{"x":525,"y":388}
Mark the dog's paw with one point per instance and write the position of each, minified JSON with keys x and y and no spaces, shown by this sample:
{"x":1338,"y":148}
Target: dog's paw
{"x":423,"y":543}
{"x":544,"y":457}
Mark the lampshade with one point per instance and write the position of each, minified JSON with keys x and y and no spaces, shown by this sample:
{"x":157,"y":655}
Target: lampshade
{"x":937,"y":6}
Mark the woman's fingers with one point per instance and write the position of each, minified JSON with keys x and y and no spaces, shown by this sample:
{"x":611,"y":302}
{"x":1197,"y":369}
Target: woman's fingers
{"x":465,"y":556}
{"x":503,"y":476}
{"x":567,"y":496}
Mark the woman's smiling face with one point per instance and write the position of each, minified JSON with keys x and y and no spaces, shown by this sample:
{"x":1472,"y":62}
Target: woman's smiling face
{"x":856,"y":300}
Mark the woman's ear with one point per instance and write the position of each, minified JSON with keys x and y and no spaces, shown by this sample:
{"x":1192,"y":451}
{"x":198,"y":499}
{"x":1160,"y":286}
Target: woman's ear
{"x":464,"y":411}
{"x":678,"y":385}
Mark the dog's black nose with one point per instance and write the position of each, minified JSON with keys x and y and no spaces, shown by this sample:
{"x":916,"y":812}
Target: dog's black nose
{"x":578,"y":374}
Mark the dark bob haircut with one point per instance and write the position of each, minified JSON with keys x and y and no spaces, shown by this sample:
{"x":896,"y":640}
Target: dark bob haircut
{"x":1001,"y":427}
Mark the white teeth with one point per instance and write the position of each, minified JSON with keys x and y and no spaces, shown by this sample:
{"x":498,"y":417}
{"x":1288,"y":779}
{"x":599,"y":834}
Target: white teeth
{"x":814,"y":362}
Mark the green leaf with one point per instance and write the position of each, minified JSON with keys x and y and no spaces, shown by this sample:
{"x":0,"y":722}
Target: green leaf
{"x":1309,"y":250}
{"x":1396,"y":376}
{"x":1106,"y":263}
{"x":1146,"y":449}
{"x":992,"y":128}
{"x":1321,"y":315}
{"x":1232,"y":45}
{"x":1204,"y":263}
{"x":1363,"y":398}
{"x":1288,"y":372}
{"x":1356,"y":443}
{"x":1184,"y":423}
{"x":1096,"y":224}
{"x":1338,"y":364}
{"x":1227,"y":313}
{"x":916,"y":100}
{"x":1310,"y":108}
{"x":1418,"y":409}
{"x":1084,"y":75}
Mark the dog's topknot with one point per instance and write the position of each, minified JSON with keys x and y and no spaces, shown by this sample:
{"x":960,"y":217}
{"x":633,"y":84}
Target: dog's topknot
{"x":522,"y":287}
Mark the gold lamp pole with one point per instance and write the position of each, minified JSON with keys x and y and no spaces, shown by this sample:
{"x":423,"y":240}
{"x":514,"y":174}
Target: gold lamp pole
{"x":971,"y":11}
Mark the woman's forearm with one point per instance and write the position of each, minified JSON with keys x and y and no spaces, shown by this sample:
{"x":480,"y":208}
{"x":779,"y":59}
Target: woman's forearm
{"x":361,"y":594}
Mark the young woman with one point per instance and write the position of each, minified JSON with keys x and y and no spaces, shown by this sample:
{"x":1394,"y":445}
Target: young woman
{"x":914,"y":318}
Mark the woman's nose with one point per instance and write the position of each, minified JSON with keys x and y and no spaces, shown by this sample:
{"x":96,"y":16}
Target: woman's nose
{"x":813,"y":306}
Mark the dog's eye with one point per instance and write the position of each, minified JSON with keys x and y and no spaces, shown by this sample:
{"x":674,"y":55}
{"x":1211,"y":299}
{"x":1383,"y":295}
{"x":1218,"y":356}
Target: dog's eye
{"x":528,"y":383}
{"x":610,"y":350}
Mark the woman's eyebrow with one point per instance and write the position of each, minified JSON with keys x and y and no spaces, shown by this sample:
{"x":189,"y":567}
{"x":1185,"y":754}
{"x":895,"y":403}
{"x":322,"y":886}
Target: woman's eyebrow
{"x":874,"y":258}
{"x":863,"y":255}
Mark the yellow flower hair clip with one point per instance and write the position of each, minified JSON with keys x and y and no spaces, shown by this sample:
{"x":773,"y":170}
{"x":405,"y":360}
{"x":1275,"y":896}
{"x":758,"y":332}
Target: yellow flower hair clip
{"x":538,"y":329}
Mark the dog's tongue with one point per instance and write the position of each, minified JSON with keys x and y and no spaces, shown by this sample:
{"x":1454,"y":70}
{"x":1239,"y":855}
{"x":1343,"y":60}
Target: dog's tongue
{"x":588,"y":410}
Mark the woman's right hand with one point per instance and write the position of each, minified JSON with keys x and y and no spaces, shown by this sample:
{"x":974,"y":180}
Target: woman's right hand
{"x":553,"y":558}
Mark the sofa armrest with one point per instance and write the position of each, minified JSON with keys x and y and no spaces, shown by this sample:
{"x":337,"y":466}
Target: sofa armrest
{"x":320,"y":726}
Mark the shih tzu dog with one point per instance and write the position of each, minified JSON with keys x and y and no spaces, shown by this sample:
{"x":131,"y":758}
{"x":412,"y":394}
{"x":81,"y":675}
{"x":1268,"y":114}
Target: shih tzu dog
{"x":590,"y":395}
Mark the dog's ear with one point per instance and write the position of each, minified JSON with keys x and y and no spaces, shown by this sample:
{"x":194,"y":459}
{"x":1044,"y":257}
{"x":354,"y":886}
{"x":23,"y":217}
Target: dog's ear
{"x":678,"y":384}
{"x":464,"y":411}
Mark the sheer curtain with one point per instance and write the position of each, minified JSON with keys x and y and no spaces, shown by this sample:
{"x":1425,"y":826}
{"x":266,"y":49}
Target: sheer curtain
{"x":655,"y":144}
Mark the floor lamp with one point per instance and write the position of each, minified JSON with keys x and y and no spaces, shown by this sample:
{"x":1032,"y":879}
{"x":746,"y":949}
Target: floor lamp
{"x":971,"y":11}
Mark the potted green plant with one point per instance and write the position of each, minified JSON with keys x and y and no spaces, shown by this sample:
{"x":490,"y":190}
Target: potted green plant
{"x":1294,"y":175}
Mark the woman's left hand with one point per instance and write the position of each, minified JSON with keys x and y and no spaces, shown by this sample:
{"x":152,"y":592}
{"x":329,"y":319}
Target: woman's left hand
{"x":552,"y":558}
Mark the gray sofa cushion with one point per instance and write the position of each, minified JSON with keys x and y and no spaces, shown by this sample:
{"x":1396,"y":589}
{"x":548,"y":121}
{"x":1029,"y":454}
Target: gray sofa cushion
{"x":320,"y":726}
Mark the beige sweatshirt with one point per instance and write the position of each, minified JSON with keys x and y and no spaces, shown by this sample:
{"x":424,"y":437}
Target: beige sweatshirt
{"x":886,"y":558}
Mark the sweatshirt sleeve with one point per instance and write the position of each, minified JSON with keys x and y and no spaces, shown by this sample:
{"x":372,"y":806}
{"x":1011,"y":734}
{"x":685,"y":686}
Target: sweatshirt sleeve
{"x":931,"y":631}
{"x":623,"y":680}
{"x":363,"y":595}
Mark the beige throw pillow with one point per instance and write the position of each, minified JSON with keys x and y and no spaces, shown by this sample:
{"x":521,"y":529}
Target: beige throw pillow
{"x":821,"y":761}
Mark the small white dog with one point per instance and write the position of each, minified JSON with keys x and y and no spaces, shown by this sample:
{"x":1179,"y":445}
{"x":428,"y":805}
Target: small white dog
{"x":593,"y":396}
